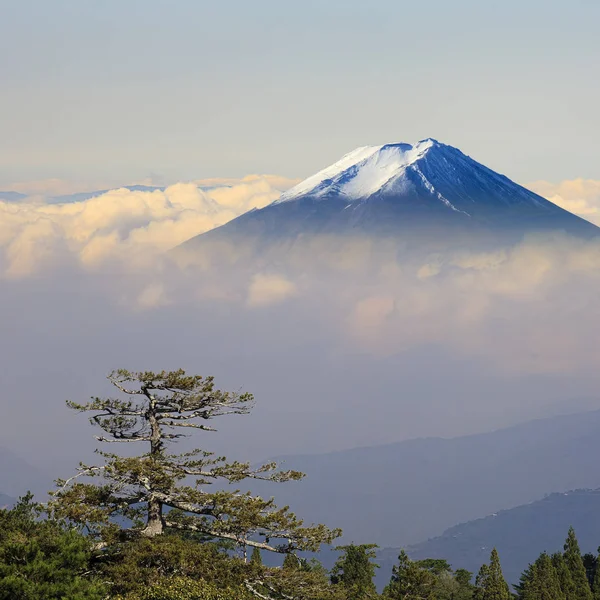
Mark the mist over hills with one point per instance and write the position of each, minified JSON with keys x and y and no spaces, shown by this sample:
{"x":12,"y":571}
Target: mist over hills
{"x":6,"y":501}
{"x":17,"y":476}
{"x":400,"y":494}
{"x":520,"y":534}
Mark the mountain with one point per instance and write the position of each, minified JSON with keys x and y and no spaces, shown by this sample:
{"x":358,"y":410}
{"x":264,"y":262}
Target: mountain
{"x":400,"y":494}
{"x":519,"y":534}
{"x":420,"y":192}
{"x":18,"y":476}
{"x":9,"y":196}
{"x":6,"y":501}
{"x":82,"y":196}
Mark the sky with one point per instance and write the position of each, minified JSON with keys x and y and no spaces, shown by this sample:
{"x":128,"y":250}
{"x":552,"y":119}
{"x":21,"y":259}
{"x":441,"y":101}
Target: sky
{"x":228,"y":104}
{"x":118,"y":91}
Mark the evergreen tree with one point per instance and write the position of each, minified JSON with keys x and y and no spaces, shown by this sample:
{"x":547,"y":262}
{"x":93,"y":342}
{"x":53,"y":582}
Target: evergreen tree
{"x":447,"y":588}
{"x":481,"y":581}
{"x":490,"y":583}
{"x":291,"y":562}
{"x":256,"y":558}
{"x":564,"y":575}
{"x":354,"y":571}
{"x":43,"y":559}
{"x":463,"y":577}
{"x":596,"y":581}
{"x":410,"y":581}
{"x":524,"y":579}
{"x":589,"y":563}
{"x":542,"y":583}
{"x":580,"y":589}
{"x":152,"y":490}
{"x":465,"y":587}
{"x":437,"y":566}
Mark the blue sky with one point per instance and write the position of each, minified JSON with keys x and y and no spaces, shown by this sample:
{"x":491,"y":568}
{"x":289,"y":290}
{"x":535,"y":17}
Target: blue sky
{"x":118,"y":90}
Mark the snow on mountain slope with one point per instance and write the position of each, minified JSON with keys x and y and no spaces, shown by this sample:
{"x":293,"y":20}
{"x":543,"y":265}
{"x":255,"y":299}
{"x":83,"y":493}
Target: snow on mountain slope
{"x":362,"y":172}
{"x":399,"y":168}
{"x":426,"y":193}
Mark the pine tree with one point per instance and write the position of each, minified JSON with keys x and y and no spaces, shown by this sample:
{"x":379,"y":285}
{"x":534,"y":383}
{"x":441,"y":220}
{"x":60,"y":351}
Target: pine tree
{"x":291,"y":562}
{"x":153,"y":490}
{"x":490,"y":581}
{"x":524,"y":579}
{"x":481,"y":582}
{"x":542,"y":582}
{"x":256,"y":558}
{"x":580,"y":589}
{"x":465,"y":587}
{"x":547,"y":572}
{"x":589,"y":563}
{"x":564,"y":575}
{"x":354,"y":570}
{"x":596,"y":581}
{"x":463,"y":577}
{"x":41,"y":559}
{"x":410,"y":581}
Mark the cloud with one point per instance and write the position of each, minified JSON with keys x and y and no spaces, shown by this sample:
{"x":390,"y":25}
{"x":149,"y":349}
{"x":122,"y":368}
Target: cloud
{"x":266,"y":289}
{"x":518,"y":307}
{"x":152,"y":296}
{"x":123,"y":225}
{"x":579,"y":196}
{"x":527,"y":308}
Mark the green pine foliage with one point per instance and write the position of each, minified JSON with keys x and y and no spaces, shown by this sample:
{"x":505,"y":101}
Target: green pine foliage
{"x":181,"y":588}
{"x":256,"y":558}
{"x":490,"y":583}
{"x":564,"y":575}
{"x":589,"y":563}
{"x":542,"y":582}
{"x":465,"y":588}
{"x":463,"y":577}
{"x":291,"y":562}
{"x":354,"y":571}
{"x":596,"y":580}
{"x":138,"y":564}
{"x":42,"y":559}
{"x":580,"y":588}
{"x":525,"y":578}
{"x":410,"y":581}
{"x":159,"y":490}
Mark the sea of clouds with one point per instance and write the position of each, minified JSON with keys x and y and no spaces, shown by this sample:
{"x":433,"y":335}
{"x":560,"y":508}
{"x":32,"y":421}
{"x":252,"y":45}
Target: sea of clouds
{"x":345,"y":344}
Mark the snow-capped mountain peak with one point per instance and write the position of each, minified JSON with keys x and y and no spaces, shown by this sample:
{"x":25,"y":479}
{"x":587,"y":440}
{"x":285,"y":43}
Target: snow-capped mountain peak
{"x":427,"y":194}
{"x":362,"y":172}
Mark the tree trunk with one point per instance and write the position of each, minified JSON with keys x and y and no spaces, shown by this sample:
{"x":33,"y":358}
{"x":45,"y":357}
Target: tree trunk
{"x":154,"y":523}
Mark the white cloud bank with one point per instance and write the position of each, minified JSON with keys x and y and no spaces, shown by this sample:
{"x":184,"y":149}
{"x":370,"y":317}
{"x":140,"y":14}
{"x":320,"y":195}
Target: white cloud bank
{"x":130,"y":226}
{"x":532,"y":295}
{"x":579,"y":196}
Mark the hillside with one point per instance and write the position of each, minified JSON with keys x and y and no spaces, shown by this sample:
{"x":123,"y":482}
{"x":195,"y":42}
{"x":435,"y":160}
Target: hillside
{"x":17,"y":476}
{"x":6,"y":501}
{"x":519,"y":534}
{"x":400,"y":494}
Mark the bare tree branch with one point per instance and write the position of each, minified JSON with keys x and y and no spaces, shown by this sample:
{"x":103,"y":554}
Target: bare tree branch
{"x":226,"y":536}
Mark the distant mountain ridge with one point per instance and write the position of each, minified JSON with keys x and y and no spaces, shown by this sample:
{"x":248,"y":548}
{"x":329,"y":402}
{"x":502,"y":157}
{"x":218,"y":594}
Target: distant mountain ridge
{"x":6,"y":501}
{"x":400,"y":494}
{"x":11,"y":196}
{"x":18,"y":477}
{"x":520,"y":534}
